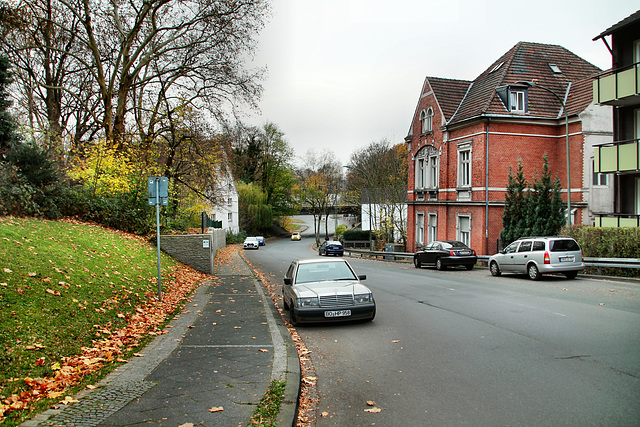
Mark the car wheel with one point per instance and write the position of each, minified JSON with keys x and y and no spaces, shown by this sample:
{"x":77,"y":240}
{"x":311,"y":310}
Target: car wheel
{"x":294,"y":317}
{"x":571,"y":274}
{"x":495,"y":270}
{"x":284,"y":301}
{"x":416,"y":263}
{"x":439,"y":265}
{"x":469,"y":267}
{"x":534,"y":273}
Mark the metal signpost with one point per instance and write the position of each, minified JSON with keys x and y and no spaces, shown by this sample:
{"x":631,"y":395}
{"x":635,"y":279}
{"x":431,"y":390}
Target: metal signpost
{"x":158,"y":195}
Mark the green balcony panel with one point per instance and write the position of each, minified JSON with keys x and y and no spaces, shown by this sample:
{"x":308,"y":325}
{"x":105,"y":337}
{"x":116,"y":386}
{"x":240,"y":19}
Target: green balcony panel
{"x":617,"y":86}
{"x":608,"y":159}
{"x":628,"y":157}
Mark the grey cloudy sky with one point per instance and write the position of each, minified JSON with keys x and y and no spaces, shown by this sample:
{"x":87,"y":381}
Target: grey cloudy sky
{"x":344,"y":73}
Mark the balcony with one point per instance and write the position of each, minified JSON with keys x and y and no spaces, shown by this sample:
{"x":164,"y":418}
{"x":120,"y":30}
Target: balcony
{"x":617,"y":220}
{"x":618,"y":87}
{"x":620,"y":156}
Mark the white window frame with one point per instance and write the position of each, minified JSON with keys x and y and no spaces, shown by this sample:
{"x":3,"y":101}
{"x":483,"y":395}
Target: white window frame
{"x":463,"y":234}
{"x":420,"y":166}
{"x":427,"y":168}
{"x":598,"y":179}
{"x":517,"y":101}
{"x":465,"y":165}
{"x":230,"y":217}
{"x":426,"y":120}
{"x":420,"y":228}
{"x":432,"y":227}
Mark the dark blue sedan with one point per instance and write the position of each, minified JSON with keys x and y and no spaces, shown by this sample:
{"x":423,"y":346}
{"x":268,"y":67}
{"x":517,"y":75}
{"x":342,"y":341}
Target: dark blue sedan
{"x":331,"y":247}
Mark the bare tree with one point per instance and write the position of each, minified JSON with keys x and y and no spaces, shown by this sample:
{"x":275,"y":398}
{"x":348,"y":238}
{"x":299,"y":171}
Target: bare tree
{"x":149,"y":57}
{"x":381,"y":169}
{"x":320,"y":178}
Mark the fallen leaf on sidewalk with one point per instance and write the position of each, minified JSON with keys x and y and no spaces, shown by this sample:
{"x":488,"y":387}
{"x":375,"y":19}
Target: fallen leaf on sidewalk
{"x":264,"y":350}
{"x":371,"y":403}
{"x":216,"y":409}
{"x":373,"y":410}
{"x":68,"y":400}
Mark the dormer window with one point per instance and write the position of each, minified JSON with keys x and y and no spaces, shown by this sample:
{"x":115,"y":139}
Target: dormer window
{"x":426,"y":119}
{"x":517,"y":101}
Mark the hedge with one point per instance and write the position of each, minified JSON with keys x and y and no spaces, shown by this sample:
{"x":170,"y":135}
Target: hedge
{"x":604,"y":242}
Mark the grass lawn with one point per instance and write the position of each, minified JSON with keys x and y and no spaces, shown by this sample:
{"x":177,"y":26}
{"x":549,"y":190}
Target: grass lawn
{"x":64,"y":287}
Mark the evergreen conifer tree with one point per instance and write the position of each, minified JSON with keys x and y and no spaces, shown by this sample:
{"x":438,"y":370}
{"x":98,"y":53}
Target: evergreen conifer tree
{"x":515,"y":210}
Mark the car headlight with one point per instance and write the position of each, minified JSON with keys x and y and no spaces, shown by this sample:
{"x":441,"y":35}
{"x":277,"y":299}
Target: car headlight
{"x":363,"y":298}
{"x":308,"y":302}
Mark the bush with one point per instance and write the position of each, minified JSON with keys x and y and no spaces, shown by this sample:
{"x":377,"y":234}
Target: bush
{"x":601,"y":242}
{"x":123,"y":211}
{"x":358,"y":235}
{"x":236,"y":238}
{"x":340,"y":230}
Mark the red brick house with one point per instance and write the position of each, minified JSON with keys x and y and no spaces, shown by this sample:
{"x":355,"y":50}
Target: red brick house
{"x":465,"y":135}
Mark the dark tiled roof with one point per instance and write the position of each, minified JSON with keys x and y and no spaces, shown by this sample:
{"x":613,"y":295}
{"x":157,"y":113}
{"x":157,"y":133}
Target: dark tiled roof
{"x":626,"y":21}
{"x":449,"y":93}
{"x":524,"y":62}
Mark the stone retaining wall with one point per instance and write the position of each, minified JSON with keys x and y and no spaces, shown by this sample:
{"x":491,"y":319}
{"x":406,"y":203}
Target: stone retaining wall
{"x":195,"y":250}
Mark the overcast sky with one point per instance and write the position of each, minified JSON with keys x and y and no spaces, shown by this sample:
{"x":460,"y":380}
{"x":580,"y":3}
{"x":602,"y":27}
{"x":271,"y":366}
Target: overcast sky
{"x":344,"y":73}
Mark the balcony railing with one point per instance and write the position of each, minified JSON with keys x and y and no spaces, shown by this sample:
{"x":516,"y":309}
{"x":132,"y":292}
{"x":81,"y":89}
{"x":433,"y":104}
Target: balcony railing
{"x":618,"y":87}
{"x":617,"y":220}
{"x":617,"y":156}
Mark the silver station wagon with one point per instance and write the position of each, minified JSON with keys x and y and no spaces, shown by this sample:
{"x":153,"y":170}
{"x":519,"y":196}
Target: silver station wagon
{"x":536,"y":256}
{"x":326,"y":290}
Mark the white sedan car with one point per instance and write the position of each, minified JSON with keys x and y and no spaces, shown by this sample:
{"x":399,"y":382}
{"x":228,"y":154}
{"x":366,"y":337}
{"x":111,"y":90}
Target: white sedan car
{"x":326,"y":290}
{"x":251,"y":243}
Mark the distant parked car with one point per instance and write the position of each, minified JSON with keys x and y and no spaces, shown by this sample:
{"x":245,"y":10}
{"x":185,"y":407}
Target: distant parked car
{"x":296,"y":236}
{"x":251,"y":243}
{"x":324,"y":290}
{"x":331,"y":247}
{"x":536,"y":256}
{"x":261,"y":240}
{"x":444,"y":254}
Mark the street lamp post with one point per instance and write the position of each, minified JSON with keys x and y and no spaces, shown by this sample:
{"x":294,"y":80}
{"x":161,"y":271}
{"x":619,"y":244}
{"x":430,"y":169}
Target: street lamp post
{"x":566,"y":125}
{"x":368,"y":200}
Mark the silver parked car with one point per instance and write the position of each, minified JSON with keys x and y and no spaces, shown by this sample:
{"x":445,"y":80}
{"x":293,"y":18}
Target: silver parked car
{"x":536,"y":256}
{"x":324,"y":290}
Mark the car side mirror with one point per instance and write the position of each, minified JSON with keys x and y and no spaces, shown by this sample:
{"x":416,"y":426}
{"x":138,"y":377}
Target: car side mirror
{"x":362,"y":277}
{"x":502,"y":252}
{"x":288,"y":281}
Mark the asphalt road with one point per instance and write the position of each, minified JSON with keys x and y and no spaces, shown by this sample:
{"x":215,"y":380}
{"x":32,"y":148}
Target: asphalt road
{"x":462,"y":348}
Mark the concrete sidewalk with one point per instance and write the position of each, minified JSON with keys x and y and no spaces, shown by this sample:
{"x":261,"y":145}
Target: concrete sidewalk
{"x":223,"y":350}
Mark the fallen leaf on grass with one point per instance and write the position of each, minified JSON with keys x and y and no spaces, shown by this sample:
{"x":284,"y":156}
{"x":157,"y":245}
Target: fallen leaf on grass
{"x":52,"y":292}
{"x":6,"y":270}
{"x":216,"y":409}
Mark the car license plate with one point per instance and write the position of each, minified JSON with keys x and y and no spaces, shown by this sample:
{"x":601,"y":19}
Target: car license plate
{"x":567,"y":259}
{"x":337,"y":313}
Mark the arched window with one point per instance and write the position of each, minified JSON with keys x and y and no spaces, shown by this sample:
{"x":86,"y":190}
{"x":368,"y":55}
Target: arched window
{"x":427,"y":168}
{"x":426,"y":118}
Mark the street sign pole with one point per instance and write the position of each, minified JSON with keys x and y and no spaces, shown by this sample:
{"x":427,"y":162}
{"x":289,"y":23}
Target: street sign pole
{"x":157,"y":183}
{"x":158,"y":195}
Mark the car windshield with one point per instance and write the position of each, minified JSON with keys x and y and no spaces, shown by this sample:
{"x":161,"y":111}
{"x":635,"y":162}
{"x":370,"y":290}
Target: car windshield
{"x":324,"y":271}
{"x":564,"y":245}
